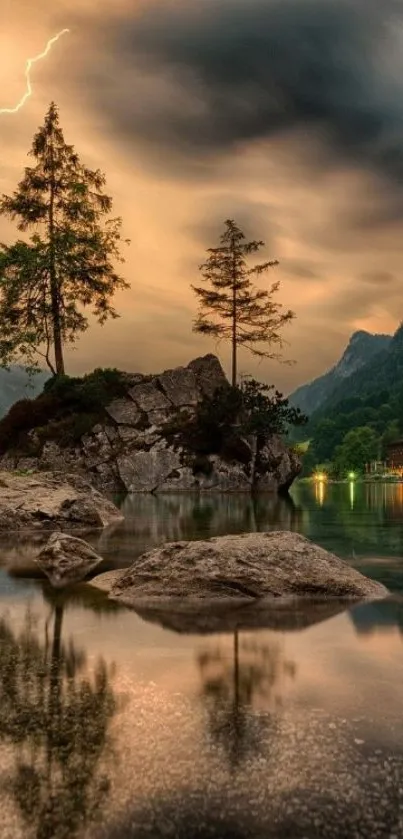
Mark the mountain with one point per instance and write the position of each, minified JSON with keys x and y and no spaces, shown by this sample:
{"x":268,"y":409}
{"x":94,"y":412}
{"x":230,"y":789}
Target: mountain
{"x":368,"y":402}
{"x":15,"y":384}
{"x":383,"y":371}
{"x":362,"y":349}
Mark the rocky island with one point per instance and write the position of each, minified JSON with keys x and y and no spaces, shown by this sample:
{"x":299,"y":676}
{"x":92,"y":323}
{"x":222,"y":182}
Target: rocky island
{"x":133,"y":441}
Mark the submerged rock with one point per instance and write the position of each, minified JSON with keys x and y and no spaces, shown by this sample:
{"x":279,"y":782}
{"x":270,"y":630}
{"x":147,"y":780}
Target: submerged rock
{"x":50,"y":500}
{"x":66,"y":559}
{"x":245,"y":568}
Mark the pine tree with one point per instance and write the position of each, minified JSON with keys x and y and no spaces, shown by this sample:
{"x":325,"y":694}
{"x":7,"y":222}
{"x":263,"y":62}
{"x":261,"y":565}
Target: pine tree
{"x":232,"y":308}
{"x":68,"y":263}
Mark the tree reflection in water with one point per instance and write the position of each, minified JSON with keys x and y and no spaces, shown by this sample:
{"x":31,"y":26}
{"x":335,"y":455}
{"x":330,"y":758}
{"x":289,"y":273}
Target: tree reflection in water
{"x":231,"y":687}
{"x":56,"y":715}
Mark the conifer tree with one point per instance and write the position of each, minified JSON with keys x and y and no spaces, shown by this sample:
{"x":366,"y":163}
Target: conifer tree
{"x":67,"y":265}
{"x":232,"y":308}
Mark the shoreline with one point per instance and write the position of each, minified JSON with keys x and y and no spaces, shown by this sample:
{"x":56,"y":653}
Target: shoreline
{"x":348,"y":481}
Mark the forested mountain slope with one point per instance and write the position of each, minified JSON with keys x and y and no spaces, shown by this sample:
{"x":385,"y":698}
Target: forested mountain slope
{"x":361,"y":350}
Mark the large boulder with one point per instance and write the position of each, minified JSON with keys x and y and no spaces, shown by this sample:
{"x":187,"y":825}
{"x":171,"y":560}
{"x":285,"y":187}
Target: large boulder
{"x":66,"y":560}
{"x":246,"y":568}
{"x":49,"y":501}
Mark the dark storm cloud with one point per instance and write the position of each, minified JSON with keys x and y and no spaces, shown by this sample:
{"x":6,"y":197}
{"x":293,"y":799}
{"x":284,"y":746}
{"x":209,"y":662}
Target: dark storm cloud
{"x":241,"y":70}
{"x":361,"y":300}
{"x":255,"y":219}
{"x":302,"y":269}
{"x":378,"y":278}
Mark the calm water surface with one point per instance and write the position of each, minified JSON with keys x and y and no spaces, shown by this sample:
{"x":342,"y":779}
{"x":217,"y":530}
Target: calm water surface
{"x":118,"y":725}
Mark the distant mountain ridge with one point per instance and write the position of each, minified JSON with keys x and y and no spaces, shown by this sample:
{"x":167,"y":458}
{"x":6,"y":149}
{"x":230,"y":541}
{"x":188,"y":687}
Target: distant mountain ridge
{"x":15,"y":384}
{"x":384,"y":371}
{"x":362,"y":349}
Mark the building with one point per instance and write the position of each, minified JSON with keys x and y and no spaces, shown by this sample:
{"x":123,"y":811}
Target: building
{"x":376,"y":467}
{"x":394,"y":455}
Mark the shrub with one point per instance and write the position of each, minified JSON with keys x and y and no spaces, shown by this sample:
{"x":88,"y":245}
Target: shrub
{"x":235,"y":448}
{"x":67,"y":431}
{"x":89,"y":393}
{"x":202,"y":466}
{"x":66,"y":410}
{"x":235,"y":412}
{"x":22,"y":417}
{"x":222,"y":421}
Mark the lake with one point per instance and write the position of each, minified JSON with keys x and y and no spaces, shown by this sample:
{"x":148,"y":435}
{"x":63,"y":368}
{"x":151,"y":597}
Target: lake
{"x":113,"y":726}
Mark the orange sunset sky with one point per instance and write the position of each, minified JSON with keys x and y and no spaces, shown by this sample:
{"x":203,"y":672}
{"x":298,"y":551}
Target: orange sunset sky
{"x":285,"y":116}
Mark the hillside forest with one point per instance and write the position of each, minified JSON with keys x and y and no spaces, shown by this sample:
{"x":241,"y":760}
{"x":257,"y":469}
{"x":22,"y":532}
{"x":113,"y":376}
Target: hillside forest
{"x":358,"y":410}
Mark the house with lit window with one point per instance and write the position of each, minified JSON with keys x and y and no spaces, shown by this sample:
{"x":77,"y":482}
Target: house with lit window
{"x":394,"y":456}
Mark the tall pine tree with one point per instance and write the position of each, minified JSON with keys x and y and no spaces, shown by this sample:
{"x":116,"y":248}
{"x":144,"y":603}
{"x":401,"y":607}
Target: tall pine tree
{"x":232,"y":308}
{"x":68,"y":263}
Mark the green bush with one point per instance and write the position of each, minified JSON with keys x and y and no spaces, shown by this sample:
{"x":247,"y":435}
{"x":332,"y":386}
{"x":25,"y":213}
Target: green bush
{"x":89,"y":393}
{"x":68,"y":408}
{"x":67,"y":431}
{"x":222,"y":421}
{"x":22,"y":417}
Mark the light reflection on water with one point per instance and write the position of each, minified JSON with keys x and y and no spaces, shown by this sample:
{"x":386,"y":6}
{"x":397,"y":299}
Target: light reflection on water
{"x":114,"y":725}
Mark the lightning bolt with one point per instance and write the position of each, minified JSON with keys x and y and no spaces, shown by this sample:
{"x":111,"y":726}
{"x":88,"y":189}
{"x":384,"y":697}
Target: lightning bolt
{"x":30,"y":63}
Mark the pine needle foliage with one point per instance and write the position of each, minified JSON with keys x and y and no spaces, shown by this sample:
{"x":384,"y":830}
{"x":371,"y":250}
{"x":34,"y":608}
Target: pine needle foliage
{"x":67,"y":265}
{"x":231,"y":308}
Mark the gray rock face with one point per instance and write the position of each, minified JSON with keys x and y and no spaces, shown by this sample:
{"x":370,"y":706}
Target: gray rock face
{"x":209,"y":373}
{"x":277,"y":466}
{"x":146,"y":471}
{"x":246,"y":567}
{"x":46,"y":501}
{"x":124,"y":412}
{"x":66,"y":560}
{"x":131,"y":449}
{"x":149,"y":398}
{"x":180,"y":386}
{"x":226,"y":477}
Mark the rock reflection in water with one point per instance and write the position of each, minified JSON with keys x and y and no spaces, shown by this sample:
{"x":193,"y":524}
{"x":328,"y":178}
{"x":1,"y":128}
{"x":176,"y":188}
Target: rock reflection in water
{"x":378,"y":617}
{"x":281,"y":614}
{"x":56,"y":715}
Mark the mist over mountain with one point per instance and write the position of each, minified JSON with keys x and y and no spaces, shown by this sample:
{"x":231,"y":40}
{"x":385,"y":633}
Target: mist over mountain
{"x":15,"y":384}
{"x":361,"y":350}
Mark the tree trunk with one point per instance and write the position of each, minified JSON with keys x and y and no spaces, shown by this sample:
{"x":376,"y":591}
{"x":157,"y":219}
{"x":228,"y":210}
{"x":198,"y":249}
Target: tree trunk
{"x":234,"y":371}
{"x":54,"y":689}
{"x":236,"y":668}
{"x":253,"y":442}
{"x":234,"y":322}
{"x":54,"y":285}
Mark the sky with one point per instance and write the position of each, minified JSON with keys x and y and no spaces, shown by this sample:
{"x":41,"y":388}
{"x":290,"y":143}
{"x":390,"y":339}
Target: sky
{"x":286,"y":115}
